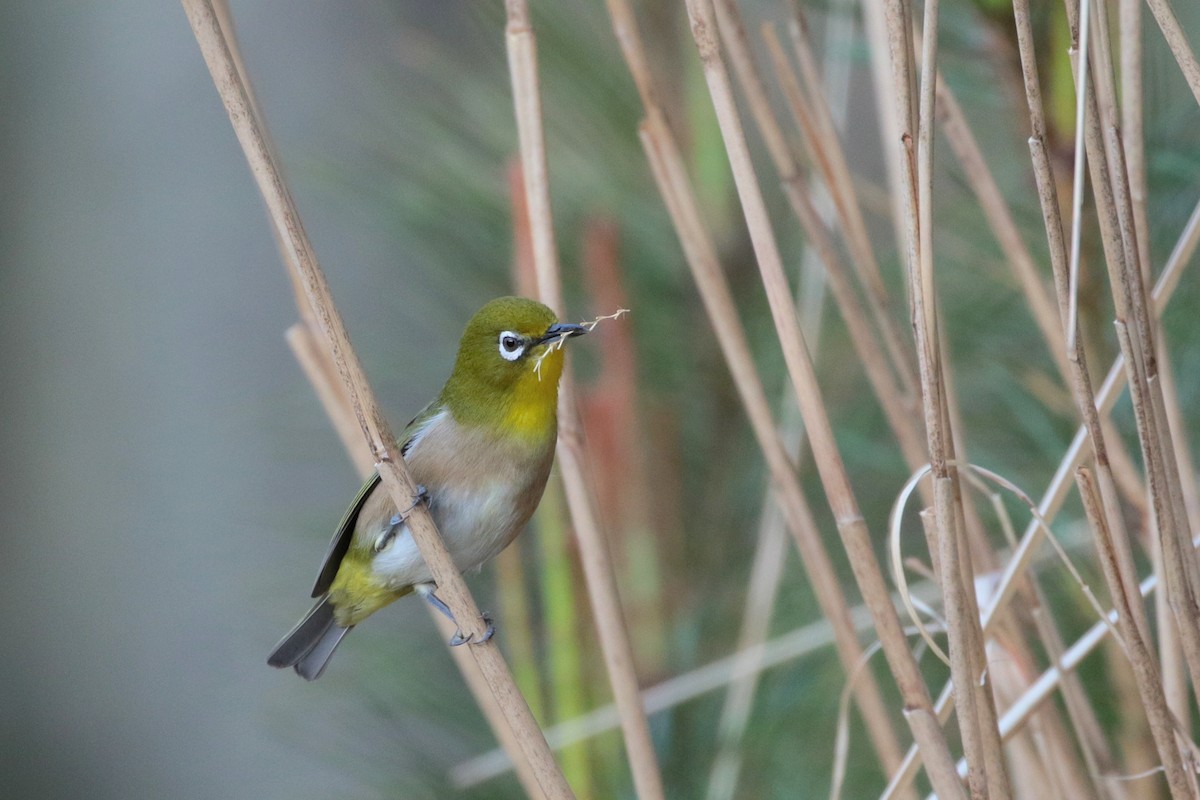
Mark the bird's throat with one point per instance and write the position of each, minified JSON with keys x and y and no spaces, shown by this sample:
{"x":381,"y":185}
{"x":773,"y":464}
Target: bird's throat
{"x":533,"y":406}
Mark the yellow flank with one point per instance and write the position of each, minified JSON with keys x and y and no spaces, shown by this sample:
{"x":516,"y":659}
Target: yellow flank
{"x":532,"y":409}
{"x":356,"y":593}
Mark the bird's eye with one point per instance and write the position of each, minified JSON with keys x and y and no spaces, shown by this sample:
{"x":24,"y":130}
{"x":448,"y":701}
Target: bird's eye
{"x":511,"y":346}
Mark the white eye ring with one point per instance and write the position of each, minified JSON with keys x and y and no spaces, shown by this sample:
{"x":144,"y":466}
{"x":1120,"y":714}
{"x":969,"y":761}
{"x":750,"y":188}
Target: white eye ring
{"x":512,"y":345}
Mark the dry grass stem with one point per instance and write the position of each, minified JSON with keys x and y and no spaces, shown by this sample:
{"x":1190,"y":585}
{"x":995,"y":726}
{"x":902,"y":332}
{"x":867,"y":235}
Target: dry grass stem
{"x":1122,"y":251}
{"x":889,"y":375}
{"x":815,"y":122}
{"x":597,"y":565}
{"x":831,"y":157}
{"x":821,"y":138}
{"x":1040,"y":690}
{"x":674,"y":185}
{"x":803,"y":641}
{"x":1114,"y":546}
{"x":883,"y":372}
{"x":1100,"y":503}
{"x":1141,"y":658}
{"x":1105,"y":398}
{"x":1055,"y":495}
{"x":561,"y":339}
{"x":828,"y":459}
{"x":996,"y":211}
{"x":376,"y":431}
{"x":767,"y":569}
{"x":987,"y":775}
{"x":1136,"y":337}
{"x":1081,"y":94}
{"x":1177,"y":41}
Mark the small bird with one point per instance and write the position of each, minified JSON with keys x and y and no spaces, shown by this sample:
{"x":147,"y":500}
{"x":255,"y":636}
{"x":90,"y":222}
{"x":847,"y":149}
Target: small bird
{"x":480,"y":453}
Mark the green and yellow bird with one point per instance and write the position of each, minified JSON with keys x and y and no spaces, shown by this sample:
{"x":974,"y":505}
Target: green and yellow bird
{"x":481,"y":453}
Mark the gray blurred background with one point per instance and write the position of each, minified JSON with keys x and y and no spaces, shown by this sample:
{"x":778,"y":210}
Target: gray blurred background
{"x":160,"y":445}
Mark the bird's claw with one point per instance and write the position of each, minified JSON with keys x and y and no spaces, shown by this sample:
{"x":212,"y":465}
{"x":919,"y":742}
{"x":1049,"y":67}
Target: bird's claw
{"x":422,"y":497}
{"x":458,"y":638}
{"x":399,"y":519}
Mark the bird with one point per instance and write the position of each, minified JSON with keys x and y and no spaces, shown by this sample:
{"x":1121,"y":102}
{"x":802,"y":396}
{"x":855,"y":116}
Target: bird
{"x":480,"y":454}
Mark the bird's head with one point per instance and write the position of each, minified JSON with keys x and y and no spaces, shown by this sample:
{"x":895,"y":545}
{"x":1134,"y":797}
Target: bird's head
{"x":509,"y":362}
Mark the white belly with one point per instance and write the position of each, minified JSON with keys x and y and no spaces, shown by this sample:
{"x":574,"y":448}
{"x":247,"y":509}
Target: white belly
{"x":475,"y":525}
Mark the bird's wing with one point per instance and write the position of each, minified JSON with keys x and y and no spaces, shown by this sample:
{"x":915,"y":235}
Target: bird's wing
{"x":341,"y":539}
{"x":345,"y":530}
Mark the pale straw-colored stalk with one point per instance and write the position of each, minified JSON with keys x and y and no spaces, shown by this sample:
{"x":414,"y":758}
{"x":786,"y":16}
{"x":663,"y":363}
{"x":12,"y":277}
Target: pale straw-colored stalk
{"x":1019,"y":713}
{"x":1130,"y":39}
{"x":1135,"y":333}
{"x":700,"y":252}
{"x":1176,"y":39}
{"x":669,"y":172}
{"x":830,"y":467}
{"x":987,"y":775}
{"x":315,"y":357}
{"x":376,"y":431}
{"x":1048,"y":508}
{"x":799,"y":643}
{"x":1022,"y":556}
{"x":830,"y":157}
{"x":767,"y":567}
{"x":1137,"y":648}
{"x":597,"y":563}
{"x":1098,"y":492}
{"x":887,"y":368}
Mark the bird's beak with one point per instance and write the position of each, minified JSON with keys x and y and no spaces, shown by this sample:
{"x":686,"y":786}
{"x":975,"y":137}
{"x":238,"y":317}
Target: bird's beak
{"x":561,"y":329}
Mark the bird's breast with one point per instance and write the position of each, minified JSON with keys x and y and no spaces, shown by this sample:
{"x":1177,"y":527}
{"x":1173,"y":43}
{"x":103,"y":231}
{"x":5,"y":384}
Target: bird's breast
{"x":482,"y":488}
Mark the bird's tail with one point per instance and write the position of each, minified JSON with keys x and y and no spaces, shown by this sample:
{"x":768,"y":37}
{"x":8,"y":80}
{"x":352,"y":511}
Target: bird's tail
{"x":308,"y":647}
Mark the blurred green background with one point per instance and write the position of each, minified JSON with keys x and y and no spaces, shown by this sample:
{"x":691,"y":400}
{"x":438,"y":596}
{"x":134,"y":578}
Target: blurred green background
{"x":171,"y":482}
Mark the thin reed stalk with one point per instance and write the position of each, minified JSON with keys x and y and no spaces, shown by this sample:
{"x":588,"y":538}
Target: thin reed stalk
{"x":1099,"y":493}
{"x":1019,"y":712}
{"x":1136,"y":337}
{"x":376,"y":431}
{"x":1052,"y":502}
{"x":831,"y":157}
{"x":986,"y":775}
{"x":674,"y":185}
{"x":767,"y":568}
{"x":1173,"y":32}
{"x":798,"y":643}
{"x":996,"y":211}
{"x":700,"y":252}
{"x":832,"y":471}
{"x":597,"y":564}
{"x":1137,"y":649}
{"x":888,"y":373}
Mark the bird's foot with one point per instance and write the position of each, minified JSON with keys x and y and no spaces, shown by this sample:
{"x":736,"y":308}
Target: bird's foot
{"x":458,"y":638}
{"x":399,"y":519}
{"x":421,"y":498}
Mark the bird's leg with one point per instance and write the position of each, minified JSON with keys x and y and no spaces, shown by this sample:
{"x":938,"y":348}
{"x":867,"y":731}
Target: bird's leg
{"x":458,"y":637}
